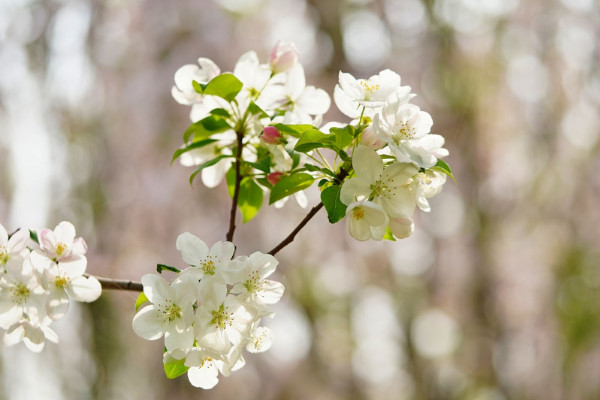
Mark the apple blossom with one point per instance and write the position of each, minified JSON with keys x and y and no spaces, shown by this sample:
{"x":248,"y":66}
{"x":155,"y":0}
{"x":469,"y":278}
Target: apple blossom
{"x":283,"y":57}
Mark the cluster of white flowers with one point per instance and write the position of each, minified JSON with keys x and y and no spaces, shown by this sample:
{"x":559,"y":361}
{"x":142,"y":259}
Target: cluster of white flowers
{"x":37,"y":279}
{"x":211,"y":311}
{"x":394,"y":164}
{"x":277,"y":87}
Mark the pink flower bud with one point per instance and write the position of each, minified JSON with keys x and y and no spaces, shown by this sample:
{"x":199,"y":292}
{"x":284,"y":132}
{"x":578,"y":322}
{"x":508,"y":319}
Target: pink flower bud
{"x":274,"y":177}
{"x":369,"y":138}
{"x":283,"y":57}
{"x":271,"y":135}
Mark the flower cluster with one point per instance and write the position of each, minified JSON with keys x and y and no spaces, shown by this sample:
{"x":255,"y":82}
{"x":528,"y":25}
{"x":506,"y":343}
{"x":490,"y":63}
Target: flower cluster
{"x":262,"y":127}
{"x":37,"y":279}
{"x":396,"y":161}
{"x":211,"y":312}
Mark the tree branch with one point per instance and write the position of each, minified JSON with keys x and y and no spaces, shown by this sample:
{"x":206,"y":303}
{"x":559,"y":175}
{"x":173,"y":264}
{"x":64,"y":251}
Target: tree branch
{"x":236,"y":190}
{"x":290,"y":238}
{"x":117,"y":284}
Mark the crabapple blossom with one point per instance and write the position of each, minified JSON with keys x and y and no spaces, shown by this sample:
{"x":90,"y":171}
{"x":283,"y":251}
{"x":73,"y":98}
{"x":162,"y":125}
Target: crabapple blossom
{"x":366,"y":220}
{"x":251,"y":273}
{"x":283,"y":57}
{"x":211,"y":261}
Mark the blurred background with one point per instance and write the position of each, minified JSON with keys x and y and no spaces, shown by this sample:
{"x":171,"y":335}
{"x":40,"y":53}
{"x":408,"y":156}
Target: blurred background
{"x":496,"y":296}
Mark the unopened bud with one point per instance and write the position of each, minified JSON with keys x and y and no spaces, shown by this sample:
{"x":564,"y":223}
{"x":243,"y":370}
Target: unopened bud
{"x":369,"y":138}
{"x":271,"y":135}
{"x":274,"y":177}
{"x":283,"y":57}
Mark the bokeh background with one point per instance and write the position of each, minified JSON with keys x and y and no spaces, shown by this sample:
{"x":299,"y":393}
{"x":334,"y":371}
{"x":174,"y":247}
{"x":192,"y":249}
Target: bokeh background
{"x":496,"y":296}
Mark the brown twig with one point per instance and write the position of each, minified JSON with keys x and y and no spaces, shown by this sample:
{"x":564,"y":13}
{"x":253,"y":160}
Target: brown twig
{"x":290,"y":238}
{"x":236,"y":190}
{"x":117,"y":284}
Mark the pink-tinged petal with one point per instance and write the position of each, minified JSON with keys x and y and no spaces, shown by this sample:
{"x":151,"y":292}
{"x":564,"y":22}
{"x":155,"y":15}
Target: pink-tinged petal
{"x":205,"y":377}
{"x":149,"y":324}
{"x":84,"y":289}
{"x":65,"y":233}
{"x":367,"y":163}
{"x":47,"y":241}
{"x":193,"y":249}
{"x":58,"y":304}
{"x":156,"y":288}
{"x":18,"y":241}
{"x":270,"y":292}
{"x":79,"y":246}
{"x":74,"y":266}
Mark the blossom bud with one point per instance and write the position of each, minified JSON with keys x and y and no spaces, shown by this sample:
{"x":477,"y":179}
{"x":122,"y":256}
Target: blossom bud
{"x":369,"y":138}
{"x":271,"y":135}
{"x":274,"y":177}
{"x":283,"y":57}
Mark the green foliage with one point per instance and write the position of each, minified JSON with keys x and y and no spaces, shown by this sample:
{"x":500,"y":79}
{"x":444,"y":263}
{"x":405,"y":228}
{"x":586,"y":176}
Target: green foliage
{"x":141,"y":299}
{"x":226,"y":86}
{"x":175,"y":368}
{"x":337,"y":140}
{"x":161,"y":267}
{"x":389,"y":235}
{"x":33,"y":235}
{"x":192,"y":146}
{"x":290,"y":185}
{"x":206,"y":165}
{"x":250,"y":199}
{"x":294,"y":130}
{"x":336,"y":210}
{"x":442,"y":167}
{"x":206,"y":127}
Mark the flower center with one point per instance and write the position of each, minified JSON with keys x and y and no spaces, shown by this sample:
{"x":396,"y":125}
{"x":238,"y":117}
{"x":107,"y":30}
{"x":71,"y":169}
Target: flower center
{"x":403,"y":132}
{"x":60,"y":248}
{"x":358,"y":213}
{"x":20,"y":293}
{"x":253,"y":283}
{"x":170,"y":311}
{"x":3,"y":255}
{"x":205,"y":360}
{"x":379,"y":189}
{"x":61,"y":281}
{"x":221,"y":317}
{"x":208,"y":266}
{"x":369,"y":88}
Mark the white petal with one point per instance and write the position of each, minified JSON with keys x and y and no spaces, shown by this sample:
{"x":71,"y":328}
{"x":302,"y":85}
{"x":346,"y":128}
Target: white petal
{"x":192,"y":248}
{"x":84,"y":289}
{"x":58,"y":304}
{"x":265,"y":264}
{"x":205,"y":377}
{"x":222,"y":250}
{"x":148,"y":324}
{"x":65,"y":233}
{"x":17,"y":241}
{"x":314,"y":101}
{"x":402,"y":227}
{"x":180,"y":340}
{"x":270,"y":292}
{"x":156,"y":288}
{"x":14,"y":335}
{"x":34,"y":338}
{"x":74,"y":266}
{"x":367,"y":163}
{"x":354,"y":189}
{"x":260,"y":340}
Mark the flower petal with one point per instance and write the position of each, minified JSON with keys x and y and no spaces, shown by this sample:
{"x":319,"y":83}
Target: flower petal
{"x":148,"y":323}
{"x":84,"y":289}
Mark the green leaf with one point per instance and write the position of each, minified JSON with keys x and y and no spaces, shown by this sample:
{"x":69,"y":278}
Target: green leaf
{"x":206,"y":127}
{"x":263,"y":163}
{"x":161,"y":267}
{"x":175,"y":368}
{"x":141,"y":299}
{"x":256,"y":110}
{"x":194,"y":145}
{"x":293,"y":130}
{"x":226,"y":86}
{"x":336,"y":210}
{"x":389,"y":235}
{"x":206,"y":165}
{"x":220,"y":112}
{"x":230,"y":178}
{"x":290,"y":185}
{"x":441,"y":166}
{"x":250,"y":199}
{"x":198,"y":87}
{"x":344,"y":156}
{"x":33,"y":235}
{"x":313,"y":139}
{"x":343,"y":136}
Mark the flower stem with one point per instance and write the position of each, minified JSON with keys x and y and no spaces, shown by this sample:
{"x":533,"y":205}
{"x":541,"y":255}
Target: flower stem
{"x":236,"y":190}
{"x":290,"y":238}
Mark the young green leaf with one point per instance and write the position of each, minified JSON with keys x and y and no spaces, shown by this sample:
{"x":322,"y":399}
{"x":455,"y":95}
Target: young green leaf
{"x":294,"y":130}
{"x":161,"y":267}
{"x":175,"y":368}
{"x":389,"y":235}
{"x":226,"y":86}
{"x":206,"y":165}
{"x":336,"y":210}
{"x":441,"y":166}
{"x":33,"y":235}
{"x":198,"y":87}
{"x":256,"y":110}
{"x":313,"y":139}
{"x":290,"y":185}
{"x":206,"y":127}
{"x":141,"y":299}
{"x":250,"y":199}
{"x":343,"y":136}
{"x":195,"y":145}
